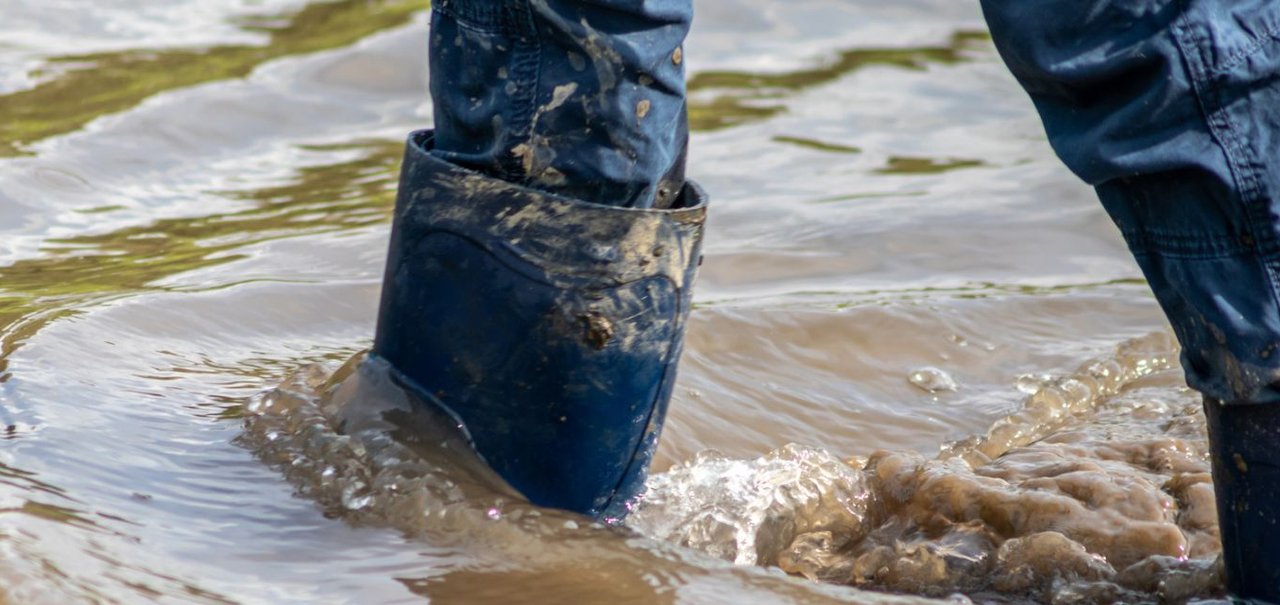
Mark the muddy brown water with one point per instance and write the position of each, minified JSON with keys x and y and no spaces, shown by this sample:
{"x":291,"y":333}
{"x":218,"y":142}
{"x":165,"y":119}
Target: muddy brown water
{"x":921,"y":364}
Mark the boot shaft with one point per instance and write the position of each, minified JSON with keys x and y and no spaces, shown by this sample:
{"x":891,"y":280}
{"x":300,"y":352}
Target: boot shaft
{"x":548,"y":327}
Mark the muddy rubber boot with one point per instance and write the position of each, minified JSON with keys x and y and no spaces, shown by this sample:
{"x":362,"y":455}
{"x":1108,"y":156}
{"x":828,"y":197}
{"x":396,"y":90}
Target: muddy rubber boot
{"x":1244,"y":441}
{"x":548,"y":327}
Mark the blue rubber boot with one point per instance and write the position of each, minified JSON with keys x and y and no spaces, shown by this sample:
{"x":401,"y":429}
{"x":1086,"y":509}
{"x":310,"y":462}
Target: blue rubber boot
{"x":550,"y":328}
{"x":1244,"y":441}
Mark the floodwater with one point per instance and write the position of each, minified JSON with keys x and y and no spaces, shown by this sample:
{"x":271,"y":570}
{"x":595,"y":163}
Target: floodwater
{"x":921,"y":364}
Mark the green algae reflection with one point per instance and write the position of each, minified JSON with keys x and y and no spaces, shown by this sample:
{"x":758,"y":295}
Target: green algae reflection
{"x":722,"y":99}
{"x":100,"y":84}
{"x":816,"y":145}
{"x":914,"y":165}
{"x":79,"y":271}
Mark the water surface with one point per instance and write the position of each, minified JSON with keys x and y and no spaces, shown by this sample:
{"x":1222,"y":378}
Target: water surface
{"x":900,"y":280}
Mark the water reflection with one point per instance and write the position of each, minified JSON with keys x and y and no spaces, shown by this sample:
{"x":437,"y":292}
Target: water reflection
{"x":722,"y":99}
{"x":87,"y":269}
{"x":913,"y":165}
{"x":816,"y":145}
{"x":94,"y":85}
{"x":138,"y":429}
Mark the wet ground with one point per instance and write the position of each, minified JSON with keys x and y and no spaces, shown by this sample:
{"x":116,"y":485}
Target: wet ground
{"x":923,"y":359}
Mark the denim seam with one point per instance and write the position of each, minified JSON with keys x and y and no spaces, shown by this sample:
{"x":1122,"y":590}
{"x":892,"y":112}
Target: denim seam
{"x":1251,"y":190}
{"x":514,"y":20}
{"x":524,"y":135}
{"x":471,"y":20}
{"x":1269,"y":37}
{"x":1173,"y":245}
{"x":529,"y":108}
{"x":473,"y":27}
{"x":500,"y":17}
{"x":1190,"y":256}
{"x":1214,"y":108}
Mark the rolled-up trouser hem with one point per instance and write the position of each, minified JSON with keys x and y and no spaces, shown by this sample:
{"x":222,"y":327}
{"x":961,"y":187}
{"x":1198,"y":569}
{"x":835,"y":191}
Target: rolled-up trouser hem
{"x":1168,"y":107}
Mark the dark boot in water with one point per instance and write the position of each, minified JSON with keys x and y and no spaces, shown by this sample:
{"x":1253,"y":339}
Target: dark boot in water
{"x":1245,"y":443}
{"x":550,"y":328}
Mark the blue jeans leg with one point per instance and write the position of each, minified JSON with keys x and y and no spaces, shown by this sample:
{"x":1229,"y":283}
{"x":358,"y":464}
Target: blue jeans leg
{"x":1171,"y":109}
{"x":583,"y":98}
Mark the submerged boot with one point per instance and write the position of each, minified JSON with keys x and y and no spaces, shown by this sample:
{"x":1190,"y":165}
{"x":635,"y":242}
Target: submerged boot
{"x":548,"y":327}
{"x":1244,"y":441}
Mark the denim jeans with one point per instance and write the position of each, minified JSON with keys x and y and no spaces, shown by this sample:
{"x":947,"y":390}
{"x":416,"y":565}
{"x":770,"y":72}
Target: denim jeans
{"x":583,"y":98}
{"x":1170,"y":108}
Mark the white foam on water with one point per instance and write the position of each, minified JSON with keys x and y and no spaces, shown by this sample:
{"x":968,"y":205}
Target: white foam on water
{"x":1097,"y":490}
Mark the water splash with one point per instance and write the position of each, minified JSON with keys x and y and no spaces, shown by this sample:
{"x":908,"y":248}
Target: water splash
{"x":383,"y":460}
{"x":1096,"y":491}
{"x":357,"y":443}
{"x":748,"y":511}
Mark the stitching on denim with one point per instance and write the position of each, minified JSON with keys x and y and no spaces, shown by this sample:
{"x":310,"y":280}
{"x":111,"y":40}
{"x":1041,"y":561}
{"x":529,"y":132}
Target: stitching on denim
{"x":463,"y":23}
{"x":1251,"y":190}
{"x":1140,"y":252}
{"x":468,"y":19}
{"x":528,"y":62}
{"x":1269,"y":37}
{"x":488,"y":16}
{"x":529,"y":109}
{"x":1239,"y":159}
{"x":512,"y":20}
{"x":1224,"y":129}
{"x":1177,"y":245}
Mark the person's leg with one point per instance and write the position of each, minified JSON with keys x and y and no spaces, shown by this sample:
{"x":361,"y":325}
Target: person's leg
{"x":545,"y":242}
{"x":584,"y":98}
{"x":1169,"y":108}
